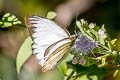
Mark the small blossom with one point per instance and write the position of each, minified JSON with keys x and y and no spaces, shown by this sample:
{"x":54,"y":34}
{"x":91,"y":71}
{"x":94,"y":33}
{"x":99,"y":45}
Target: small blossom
{"x":82,"y":61}
{"x":74,"y":60}
{"x":104,"y":36}
{"x":91,"y":25}
{"x":91,"y":45}
{"x":101,"y":32}
{"x":78,"y":23}
{"x":82,"y":20}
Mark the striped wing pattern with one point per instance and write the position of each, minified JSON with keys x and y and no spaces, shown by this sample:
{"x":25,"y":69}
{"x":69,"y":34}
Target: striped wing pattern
{"x":50,"y":41}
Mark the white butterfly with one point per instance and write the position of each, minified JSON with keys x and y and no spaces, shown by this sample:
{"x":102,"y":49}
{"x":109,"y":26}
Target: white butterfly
{"x":51,"y":42}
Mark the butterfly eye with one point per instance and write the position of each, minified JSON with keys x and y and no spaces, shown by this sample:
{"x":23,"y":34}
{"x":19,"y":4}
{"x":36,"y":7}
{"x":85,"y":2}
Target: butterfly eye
{"x":77,"y":33}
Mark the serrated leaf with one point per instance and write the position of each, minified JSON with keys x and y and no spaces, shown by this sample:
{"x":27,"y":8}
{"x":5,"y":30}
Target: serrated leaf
{"x":63,"y":67}
{"x":51,"y":15}
{"x":24,"y":53}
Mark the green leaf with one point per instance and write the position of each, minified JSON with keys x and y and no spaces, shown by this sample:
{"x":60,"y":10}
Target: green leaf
{"x":15,"y":19}
{"x":93,"y":77}
{"x":7,"y":15}
{"x":69,"y":58}
{"x":51,"y":15}
{"x":24,"y":53}
{"x":7,"y":24}
{"x":9,"y":20}
{"x":113,"y":41}
{"x":1,"y":22}
{"x":103,"y":60}
{"x":103,"y":27}
{"x":95,"y":33}
{"x":17,"y":22}
{"x":101,"y":40}
{"x":109,"y":45}
{"x":79,"y":24}
{"x":63,"y":67}
{"x":90,"y":61}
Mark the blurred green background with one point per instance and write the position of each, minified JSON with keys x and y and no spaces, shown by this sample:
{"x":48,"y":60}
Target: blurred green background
{"x":101,"y":12}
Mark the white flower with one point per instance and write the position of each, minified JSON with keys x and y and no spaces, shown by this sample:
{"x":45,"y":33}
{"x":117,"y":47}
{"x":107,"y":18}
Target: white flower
{"x":101,"y":32}
{"x":82,"y":20}
{"x":78,"y":23}
{"x":104,"y":36}
{"x":91,"y":25}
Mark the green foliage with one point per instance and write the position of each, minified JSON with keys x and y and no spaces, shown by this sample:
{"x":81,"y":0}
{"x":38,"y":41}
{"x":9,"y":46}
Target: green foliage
{"x":96,"y":59}
{"x":90,"y":61}
{"x":24,"y":53}
{"x":51,"y":15}
{"x":9,"y":20}
{"x":63,"y":65}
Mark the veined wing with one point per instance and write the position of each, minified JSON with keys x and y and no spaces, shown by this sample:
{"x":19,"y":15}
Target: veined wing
{"x":55,"y":53}
{"x":45,"y":33}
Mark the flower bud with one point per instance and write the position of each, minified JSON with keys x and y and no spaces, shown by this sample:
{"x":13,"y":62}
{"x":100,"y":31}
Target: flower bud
{"x":91,"y":25}
{"x":78,"y":23}
{"x":82,"y":61}
{"x":101,"y":32}
{"x":74,"y":60}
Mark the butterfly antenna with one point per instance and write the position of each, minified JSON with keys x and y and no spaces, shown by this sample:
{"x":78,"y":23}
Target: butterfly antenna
{"x":76,"y":25}
{"x":76,"y":31}
{"x":75,"y":22}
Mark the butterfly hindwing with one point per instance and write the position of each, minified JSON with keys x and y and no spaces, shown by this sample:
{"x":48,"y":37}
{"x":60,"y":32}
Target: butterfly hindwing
{"x":56,"y":53}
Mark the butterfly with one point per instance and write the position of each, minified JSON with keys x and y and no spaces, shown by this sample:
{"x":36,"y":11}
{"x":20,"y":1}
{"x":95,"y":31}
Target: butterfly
{"x":51,"y":42}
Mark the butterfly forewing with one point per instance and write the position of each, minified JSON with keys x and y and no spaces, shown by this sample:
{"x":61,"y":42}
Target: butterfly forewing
{"x":47,"y":37}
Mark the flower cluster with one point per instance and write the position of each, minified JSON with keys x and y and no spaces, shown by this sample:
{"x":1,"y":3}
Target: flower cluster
{"x":84,"y":45}
{"x":92,"y":40}
{"x":92,"y":48}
